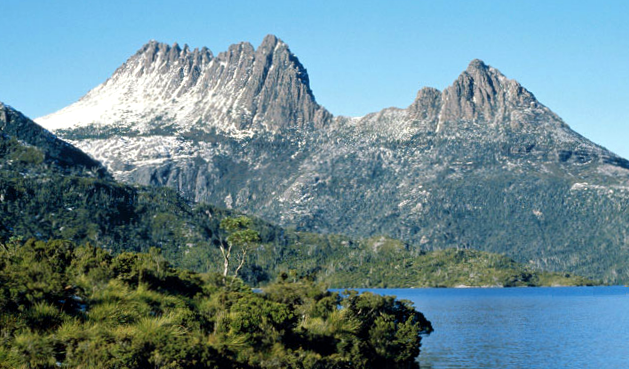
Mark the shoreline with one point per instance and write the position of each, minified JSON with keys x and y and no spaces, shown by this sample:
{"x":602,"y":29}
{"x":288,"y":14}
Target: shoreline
{"x":464,"y":287}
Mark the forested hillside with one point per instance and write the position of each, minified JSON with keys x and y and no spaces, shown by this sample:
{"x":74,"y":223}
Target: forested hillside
{"x":481,"y":164}
{"x":45,"y":197}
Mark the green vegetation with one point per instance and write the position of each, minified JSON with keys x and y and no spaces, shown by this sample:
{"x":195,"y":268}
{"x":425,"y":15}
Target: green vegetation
{"x":96,"y":131}
{"x":395,"y":267}
{"x":19,"y":135}
{"x":241,"y":240}
{"x":81,"y":307}
{"x":384,"y":262}
{"x":43,"y":199}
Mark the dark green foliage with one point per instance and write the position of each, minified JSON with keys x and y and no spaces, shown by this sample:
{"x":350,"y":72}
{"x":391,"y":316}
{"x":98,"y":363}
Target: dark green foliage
{"x":69,"y":306}
{"x":21,"y":154}
{"x":389,"y":328}
{"x":34,"y":273}
{"x":95,"y":131}
{"x":384,"y":262}
{"x":39,"y":145}
{"x":43,"y":199}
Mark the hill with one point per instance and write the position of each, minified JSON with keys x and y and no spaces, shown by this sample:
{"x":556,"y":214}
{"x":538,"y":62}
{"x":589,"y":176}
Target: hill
{"x":46,"y":197}
{"x":480,"y":165}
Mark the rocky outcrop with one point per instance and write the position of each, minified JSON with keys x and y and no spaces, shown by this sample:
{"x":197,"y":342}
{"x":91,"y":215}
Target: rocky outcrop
{"x":481,"y":164}
{"x":166,"y":87}
{"x":482,"y":93}
{"x":427,"y":105}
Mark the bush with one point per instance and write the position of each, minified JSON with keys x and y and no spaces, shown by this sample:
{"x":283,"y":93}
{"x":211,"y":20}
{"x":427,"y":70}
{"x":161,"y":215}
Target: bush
{"x":80,"y":307}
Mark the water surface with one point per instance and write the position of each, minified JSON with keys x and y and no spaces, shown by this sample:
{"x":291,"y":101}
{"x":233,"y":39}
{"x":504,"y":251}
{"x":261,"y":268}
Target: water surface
{"x":560,"y":327}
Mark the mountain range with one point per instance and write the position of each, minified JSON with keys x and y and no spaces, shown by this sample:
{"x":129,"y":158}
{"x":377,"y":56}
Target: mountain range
{"x":480,"y":165}
{"x":51,"y":190}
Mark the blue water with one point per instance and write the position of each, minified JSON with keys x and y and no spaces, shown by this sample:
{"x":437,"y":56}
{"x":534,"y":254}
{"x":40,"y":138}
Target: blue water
{"x":561,"y":327}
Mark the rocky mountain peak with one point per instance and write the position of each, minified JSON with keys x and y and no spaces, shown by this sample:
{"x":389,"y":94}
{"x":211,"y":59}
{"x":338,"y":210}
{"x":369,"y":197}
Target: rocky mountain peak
{"x":157,"y":57}
{"x":482,"y":93}
{"x":427,"y":105}
{"x":477,"y":65}
{"x":274,"y":53}
{"x":270,"y":41}
{"x":3,"y":112}
{"x":241,"y":89}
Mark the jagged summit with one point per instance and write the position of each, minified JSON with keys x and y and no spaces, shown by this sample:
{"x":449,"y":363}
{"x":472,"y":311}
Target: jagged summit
{"x":169,"y":90}
{"x":480,"y":93}
{"x":481,"y":164}
{"x":240,"y":90}
{"x":244,"y":89}
{"x":477,"y":64}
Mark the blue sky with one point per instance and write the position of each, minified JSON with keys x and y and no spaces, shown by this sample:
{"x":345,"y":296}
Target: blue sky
{"x":361,"y":56}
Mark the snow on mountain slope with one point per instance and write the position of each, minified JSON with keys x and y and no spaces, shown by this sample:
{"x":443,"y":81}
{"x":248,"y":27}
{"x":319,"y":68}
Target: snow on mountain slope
{"x":481,"y":164}
{"x":238,"y":91}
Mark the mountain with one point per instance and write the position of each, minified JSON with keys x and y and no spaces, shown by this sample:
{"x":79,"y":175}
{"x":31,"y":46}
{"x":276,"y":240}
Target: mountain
{"x":51,"y":149}
{"x":168,"y":87}
{"x":50,"y":189}
{"x":479,"y":165}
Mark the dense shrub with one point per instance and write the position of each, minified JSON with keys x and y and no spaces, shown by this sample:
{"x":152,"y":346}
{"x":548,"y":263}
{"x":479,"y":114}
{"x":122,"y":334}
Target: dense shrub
{"x":68,"y":306}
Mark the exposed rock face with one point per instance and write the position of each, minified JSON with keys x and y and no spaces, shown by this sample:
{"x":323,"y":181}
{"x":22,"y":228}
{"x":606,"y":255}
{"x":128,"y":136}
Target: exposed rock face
{"x":427,"y":106}
{"x":164,"y":87}
{"x":483,"y":93}
{"x":481,"y":164}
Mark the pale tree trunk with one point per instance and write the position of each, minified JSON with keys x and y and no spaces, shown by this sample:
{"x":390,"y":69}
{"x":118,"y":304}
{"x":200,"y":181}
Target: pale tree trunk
{"x":243,"y":257}
{"x":226,"y":256}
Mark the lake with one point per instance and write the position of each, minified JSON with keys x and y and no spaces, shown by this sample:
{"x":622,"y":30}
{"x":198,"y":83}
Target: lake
{"x":560,"y":327}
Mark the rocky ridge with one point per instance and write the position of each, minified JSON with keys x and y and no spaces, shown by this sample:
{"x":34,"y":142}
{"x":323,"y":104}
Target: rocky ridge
{"x":481,"y":164}
{"x":164,"y":86}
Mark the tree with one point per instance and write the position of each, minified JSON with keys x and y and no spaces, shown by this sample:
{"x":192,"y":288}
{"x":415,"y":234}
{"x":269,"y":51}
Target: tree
{"x":240,"y":240}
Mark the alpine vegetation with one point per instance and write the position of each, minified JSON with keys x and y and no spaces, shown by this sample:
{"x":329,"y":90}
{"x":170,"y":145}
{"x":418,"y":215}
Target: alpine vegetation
{"x":480,"y":165}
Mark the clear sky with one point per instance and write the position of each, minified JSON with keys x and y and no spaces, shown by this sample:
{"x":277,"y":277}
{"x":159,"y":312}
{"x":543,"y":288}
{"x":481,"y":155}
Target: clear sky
{"x":361,"y":56}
